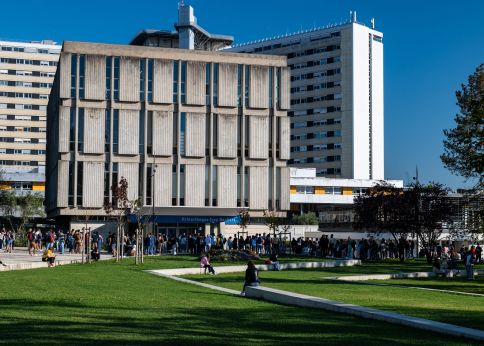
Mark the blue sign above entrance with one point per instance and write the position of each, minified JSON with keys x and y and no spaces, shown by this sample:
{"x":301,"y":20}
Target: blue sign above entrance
{"x":229,"y":220}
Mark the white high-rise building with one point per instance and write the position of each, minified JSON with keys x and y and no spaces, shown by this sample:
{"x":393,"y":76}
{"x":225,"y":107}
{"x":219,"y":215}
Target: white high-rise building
{"x":337,"y":105}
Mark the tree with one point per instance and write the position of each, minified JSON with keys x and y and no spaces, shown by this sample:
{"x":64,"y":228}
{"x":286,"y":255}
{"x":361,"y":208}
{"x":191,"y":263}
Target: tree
{"x":20,"y":209}
{"x":383,"y":208}
{"x":272,"y":220}
{"x":136,"y":210}
{"x":306,"y":219}
{"x":432,"y":211}
{"x":420,"y":210}
{"x":244,"y":219}
{"x":118,"y":208}
{"x":464,"y":145}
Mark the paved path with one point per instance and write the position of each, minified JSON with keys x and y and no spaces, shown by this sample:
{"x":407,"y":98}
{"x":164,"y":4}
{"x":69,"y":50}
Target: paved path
{"x":20,"y":259}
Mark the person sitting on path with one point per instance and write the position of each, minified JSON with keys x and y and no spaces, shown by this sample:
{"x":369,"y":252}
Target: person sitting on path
{"x":205,"y":263}
{"x":50,"y":257}
{"x":251,"y":277}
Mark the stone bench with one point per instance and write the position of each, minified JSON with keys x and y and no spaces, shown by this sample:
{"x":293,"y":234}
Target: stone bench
{"x":295,"y":299}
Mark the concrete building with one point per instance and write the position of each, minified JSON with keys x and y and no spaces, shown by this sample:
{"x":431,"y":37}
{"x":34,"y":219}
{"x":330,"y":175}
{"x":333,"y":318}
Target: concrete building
{"x":336,"y":97}
{"x":27,"y":70}
{"x":197,"y":134}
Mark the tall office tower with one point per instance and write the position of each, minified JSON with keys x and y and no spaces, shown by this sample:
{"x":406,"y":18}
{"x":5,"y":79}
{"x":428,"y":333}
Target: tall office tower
{"x":26,"y":74}
{"x":197,"y":134}
{"x":336,"y":97}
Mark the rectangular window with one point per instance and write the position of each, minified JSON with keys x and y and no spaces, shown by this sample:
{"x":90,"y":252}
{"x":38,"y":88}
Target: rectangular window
{"x":142,"y":64}
{"x":72,"y":129}
{"x":214,"y":186}
{"x":141,"y":168}
{"x":114,"y":180}
{"x":173,"y":185}
{"x":115,"y":130}
{"x":182,"y":185}
{"x":106,"y":183}
{"x":149,"y":182}
{"x":107,"y":131}
{"x":116,"y":78}
{"x":109,"y":62}
{"x":149,"y":133}
{"x":207,"y":84}
{"x":246,"y":187}
{"x":239,"y":186}
{"x":150,"y":80}
{"x":271,"y":82}
{"x":71,"y":184}
{"x":207,"y":185}
{"x":215,"y":84}
{"x":182,"y":133}
{"x":175,"y":81}
{"x":247,"y":82}
{"x":73,"y":75}
{"x":183,"y":80}
{"x":142,"y":132}
{"x":82,"y":68}
{"x":239,"y":85}
{"x":278,"y":87}
{"x":215,"y":134}
{"x":80,"y":130}
{"x":79,"y":182}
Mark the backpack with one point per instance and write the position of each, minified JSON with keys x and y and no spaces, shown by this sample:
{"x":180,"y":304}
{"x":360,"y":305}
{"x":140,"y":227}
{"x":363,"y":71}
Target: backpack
{"x":51,"y":237}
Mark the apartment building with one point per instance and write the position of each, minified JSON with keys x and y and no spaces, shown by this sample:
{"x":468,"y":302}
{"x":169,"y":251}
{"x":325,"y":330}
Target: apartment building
{"x":197,"y":134}
{"x":336,"y":97}
{"x":27,"y":71}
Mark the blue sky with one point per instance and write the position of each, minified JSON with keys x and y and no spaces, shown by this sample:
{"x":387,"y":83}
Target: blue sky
{"x":430,"y":49}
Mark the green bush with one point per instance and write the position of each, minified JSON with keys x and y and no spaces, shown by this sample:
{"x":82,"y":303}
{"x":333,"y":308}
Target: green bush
{"x":306,"y":219}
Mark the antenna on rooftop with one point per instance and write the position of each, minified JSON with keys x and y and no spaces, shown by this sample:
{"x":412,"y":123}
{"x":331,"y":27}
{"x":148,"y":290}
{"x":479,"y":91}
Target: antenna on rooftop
{"x":372,"y":21}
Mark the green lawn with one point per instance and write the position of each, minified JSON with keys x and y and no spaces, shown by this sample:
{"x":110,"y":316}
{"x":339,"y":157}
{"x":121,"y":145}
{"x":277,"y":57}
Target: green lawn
{"x":107,"y":303}
{"x":446,"y":307}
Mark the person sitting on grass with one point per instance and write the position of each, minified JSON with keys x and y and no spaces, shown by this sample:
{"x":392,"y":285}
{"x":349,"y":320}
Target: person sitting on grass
{"x":251,"y":277}
{"x":205,"y":263}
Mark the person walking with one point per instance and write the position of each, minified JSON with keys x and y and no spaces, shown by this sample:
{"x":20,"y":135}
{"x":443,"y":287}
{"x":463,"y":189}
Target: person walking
{"x":469,"y":261}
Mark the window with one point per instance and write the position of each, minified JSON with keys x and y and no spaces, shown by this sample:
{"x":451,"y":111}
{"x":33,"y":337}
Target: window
{"x":141,"y":132}
{"x":107,"y":131}
{"x":72,"y":129}
{"x":333,"y":190}
{"x":109,"y":61}
{"x":142,"y":64}
{"x":247,"y":82}
{"x":73,"y":75}
{"x":150,"y":80}
{"x":116,"y":78}
{"x":305,"y":190}
{"x":71,"y":184}
{"x":182,"y":133}
{"x":183,"y":80}
{"x":107,"y":187}
{"x":215,"y":84}
{"x":239,"y":85}
{"x":80,"y":130}
{"x":175,"y":81}
{"x":115,"y":130}
{"x":82,"y":65}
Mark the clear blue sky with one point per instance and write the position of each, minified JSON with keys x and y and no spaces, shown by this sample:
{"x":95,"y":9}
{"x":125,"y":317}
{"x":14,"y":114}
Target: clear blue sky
{"x":430,"y":49}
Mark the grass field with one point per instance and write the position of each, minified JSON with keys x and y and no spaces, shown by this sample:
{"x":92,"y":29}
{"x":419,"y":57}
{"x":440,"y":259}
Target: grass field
{"x":106,"y":303}
{"x":446,"y":307}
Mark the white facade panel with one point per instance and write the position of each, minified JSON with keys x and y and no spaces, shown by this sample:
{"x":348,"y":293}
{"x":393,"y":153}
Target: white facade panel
{"x":163,"y":185}
{"x":93,"y":185}
{"x":128,"y":132}
{"x":162,"y":133}
{"x":377,"y":112}
{"x":130,"y":171}
{"x":94,"y":125}
{"x":361,"y":97}
{"x":194,"y":185}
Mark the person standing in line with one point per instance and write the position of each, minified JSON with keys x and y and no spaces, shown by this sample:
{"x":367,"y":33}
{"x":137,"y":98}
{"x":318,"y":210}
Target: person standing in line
{"x":30,"y":242}
{"x":61,"y":239}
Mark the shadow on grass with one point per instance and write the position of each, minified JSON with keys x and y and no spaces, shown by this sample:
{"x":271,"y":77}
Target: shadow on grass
{"x":266,"y":324}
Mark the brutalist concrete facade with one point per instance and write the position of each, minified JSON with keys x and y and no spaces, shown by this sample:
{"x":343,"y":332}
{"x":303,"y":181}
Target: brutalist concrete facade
{"x":194,"y":132}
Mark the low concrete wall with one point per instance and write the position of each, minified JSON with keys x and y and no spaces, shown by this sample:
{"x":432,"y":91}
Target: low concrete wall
{"x":295,"y":299}
{"x":36,"y":265}
{"x":415,"y":275}
{"x":241,"y":268}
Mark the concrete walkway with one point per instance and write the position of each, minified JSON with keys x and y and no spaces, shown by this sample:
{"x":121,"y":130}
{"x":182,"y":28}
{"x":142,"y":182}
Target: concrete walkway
{"x":295,"y":299}
{"x":20,"y":259}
